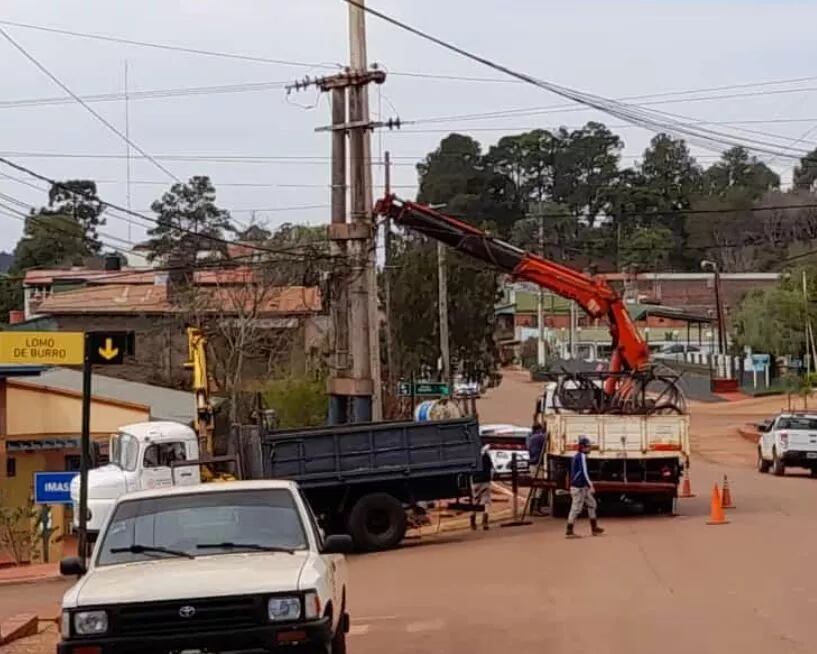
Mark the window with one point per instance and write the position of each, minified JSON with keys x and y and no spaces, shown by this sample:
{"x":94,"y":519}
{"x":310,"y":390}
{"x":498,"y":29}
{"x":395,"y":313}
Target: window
{"x":11,"y":467}
{"x":124,"y":451}
{"x":161,"y":455}
{"x":72,"y":462}
{"x":200,"y":524}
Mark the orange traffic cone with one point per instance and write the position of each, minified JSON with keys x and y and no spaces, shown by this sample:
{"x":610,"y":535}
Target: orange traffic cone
{"x":686,"y":489}
{"x":716,"y":516}
{"x":726,"y":495}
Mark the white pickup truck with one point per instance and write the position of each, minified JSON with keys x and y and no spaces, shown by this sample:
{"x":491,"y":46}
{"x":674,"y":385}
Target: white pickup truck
{"x":234,"y":566}
{"x":790,"y":439}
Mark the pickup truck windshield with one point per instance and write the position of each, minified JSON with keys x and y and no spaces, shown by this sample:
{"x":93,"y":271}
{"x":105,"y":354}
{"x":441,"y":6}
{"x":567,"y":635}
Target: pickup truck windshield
{"x":266,"y":520}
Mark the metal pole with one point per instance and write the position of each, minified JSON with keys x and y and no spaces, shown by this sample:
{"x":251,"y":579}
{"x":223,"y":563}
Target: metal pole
{"x":442,"y":300}
{"x":85,"y":448}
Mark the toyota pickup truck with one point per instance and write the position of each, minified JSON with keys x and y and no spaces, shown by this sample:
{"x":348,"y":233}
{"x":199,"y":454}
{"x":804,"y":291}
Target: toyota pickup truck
{"x":234,"y":566}
{"x":790,"y":440}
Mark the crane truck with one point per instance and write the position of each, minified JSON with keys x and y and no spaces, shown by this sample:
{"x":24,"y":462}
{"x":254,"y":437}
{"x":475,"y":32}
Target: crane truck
{"x":633,"y":413}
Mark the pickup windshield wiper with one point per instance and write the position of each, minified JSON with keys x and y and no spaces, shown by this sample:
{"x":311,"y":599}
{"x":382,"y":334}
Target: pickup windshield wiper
{"x":244,"y":546}
{"x":149,"y":549}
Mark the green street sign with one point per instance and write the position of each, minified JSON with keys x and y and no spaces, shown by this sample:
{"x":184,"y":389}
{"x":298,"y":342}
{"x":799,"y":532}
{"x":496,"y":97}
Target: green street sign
{"x":423,"y":389}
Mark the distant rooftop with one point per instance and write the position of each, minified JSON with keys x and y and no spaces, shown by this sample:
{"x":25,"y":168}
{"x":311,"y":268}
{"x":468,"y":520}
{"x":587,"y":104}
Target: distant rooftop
{"x":164,"y":403}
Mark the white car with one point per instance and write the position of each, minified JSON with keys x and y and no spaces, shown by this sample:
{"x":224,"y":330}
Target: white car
{"x":504,"y":441}
{"x":233,"y":566}
{"x":790,"y":440}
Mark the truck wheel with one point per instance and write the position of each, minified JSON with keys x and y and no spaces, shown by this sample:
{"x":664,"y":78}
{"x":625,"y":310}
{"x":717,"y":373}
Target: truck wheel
{"x":338,"y":641}
{"x":762,"y":464}
{"x":377,"y":522}
{"x":778,"y":469}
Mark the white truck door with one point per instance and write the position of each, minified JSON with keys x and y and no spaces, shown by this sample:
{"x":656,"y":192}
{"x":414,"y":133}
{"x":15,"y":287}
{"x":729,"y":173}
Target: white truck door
{"x":156,"y":465}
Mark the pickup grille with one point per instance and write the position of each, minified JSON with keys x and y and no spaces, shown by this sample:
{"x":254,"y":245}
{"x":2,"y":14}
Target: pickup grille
{"x":176,"y":617}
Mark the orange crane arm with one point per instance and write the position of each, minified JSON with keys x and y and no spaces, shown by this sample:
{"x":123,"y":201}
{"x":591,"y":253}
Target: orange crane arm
{"x":592,"y":293}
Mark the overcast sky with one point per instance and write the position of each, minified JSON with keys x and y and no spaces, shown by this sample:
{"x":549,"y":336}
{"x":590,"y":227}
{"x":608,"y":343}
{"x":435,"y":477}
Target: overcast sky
{"x":614,"y":49}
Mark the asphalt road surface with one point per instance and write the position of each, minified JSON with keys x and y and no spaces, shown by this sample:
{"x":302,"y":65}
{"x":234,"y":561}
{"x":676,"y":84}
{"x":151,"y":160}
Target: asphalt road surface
{"x":650,"y":584}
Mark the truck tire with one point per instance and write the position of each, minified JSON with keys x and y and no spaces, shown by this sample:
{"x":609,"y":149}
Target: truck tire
{"x":377,"y":522}
{"x":778,"y":469}
{"x":762,"y":464}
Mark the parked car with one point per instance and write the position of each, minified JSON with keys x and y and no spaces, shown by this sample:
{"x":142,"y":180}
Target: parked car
{"x":790,"y":440}
{"x":212,"y":567}
{"x":504,"y":441}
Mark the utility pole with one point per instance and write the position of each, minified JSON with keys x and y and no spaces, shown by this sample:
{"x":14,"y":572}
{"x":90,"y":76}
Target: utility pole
{"x":127,"y":149}
{"x":442,"y":300}
{"x":387,"y":275}
{"x":338,"y":402}
{"x":355,"y":316}
{"x":365,"y":341}
{"x":540,"y":304}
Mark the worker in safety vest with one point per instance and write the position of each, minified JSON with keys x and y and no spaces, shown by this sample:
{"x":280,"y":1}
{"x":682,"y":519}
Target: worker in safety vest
{"x":582,"y":492}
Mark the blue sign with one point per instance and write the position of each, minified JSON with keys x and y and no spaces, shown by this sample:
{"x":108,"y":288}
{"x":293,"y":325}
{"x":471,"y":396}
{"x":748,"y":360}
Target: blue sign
{"x":760,"y":362}
{"x":53,"y":487}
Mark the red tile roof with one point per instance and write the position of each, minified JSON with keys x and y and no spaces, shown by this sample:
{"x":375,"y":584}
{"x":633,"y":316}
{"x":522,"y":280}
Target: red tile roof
{"x":212,"y":276}
{"x":153,"y":299}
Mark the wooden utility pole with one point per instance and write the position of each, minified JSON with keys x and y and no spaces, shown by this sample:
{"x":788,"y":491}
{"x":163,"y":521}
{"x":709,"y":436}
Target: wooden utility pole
{"x":338,"y":403}
{"x":364,"y":321}
{"x":540,"y":304}
{"x":391,"y":377}
{"x":442,"y":300}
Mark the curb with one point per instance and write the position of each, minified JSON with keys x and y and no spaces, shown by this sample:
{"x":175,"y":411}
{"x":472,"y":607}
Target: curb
{"x":30,"y":580}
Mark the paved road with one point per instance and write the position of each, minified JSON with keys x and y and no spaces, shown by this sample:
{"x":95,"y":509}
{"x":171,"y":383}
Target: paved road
{"x":673,"y":585}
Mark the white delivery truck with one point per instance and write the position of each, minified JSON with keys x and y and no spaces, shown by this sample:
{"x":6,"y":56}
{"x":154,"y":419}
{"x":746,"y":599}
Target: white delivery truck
{"x":639,"y":457}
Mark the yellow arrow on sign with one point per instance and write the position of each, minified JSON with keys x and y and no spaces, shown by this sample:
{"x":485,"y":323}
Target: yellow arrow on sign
{"x":109,"y":351}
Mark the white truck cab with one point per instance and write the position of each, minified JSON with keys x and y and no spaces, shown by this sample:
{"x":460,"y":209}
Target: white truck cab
{"x":140,"y":457}
{"x":790,"y":439}
{"x":235,"y":566}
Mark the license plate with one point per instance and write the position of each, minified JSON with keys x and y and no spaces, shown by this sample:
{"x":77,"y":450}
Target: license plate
{"x":811,"y":455}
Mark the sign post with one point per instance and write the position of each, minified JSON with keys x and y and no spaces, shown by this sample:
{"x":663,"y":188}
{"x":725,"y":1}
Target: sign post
{"x":85,"y":448}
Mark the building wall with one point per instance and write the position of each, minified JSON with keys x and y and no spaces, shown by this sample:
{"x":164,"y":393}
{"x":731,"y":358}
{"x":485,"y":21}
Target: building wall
{"x":39,"y":414}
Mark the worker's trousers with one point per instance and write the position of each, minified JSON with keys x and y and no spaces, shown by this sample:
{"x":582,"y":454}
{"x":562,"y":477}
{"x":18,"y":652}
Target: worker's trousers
{"x":580,"y":498}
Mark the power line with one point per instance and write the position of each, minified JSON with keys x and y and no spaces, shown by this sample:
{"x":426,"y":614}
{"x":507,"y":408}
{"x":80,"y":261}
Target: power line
{"x":90,"y":109}
{"x":653,"y":120}
{"x":153,"y":94}
{"x":136,"y":214}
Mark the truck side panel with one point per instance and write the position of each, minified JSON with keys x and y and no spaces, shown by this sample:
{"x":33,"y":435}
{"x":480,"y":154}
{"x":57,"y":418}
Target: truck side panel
{"x":369,"y":452}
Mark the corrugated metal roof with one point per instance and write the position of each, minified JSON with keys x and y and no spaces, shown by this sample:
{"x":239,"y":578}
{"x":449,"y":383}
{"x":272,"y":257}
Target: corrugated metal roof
{"x":164,"y":403}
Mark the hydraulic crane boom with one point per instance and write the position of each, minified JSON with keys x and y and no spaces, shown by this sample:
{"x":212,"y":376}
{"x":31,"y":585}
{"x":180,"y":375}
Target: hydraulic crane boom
{"x":592,"y":293}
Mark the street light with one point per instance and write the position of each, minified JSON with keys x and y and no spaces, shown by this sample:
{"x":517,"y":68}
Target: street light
{"x":707,"y":265}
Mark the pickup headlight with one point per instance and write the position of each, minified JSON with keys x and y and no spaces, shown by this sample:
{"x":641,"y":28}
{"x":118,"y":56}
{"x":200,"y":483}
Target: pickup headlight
{"x":90,"y":623}
{"x":284,"y":609}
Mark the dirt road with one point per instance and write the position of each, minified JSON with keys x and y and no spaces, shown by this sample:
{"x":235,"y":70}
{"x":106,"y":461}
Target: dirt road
{"x":651,"y":584}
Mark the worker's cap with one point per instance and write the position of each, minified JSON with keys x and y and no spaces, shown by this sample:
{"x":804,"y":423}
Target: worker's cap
{"x":584,"y":441}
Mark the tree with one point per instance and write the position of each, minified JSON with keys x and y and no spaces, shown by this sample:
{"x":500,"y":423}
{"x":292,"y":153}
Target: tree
{"x":455,"y":175}
{"x":78,"y":198}
{"x":50,"y":239}
{"x":738,"y":170}
{"x":646,"y":248}
{"x":189,"y":223}
{"x":472,"y":290}
{"x":585,"y":167}
{"x":805,"y":175}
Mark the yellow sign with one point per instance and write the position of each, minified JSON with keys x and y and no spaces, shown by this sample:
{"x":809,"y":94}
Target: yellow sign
{"x":109,"y":351}
{"x":42,"y":348}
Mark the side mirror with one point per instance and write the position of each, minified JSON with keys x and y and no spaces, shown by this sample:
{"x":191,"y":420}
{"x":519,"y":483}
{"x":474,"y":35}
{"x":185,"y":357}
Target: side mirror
{"x":72,"y":566}
{"x":338,"y":544}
